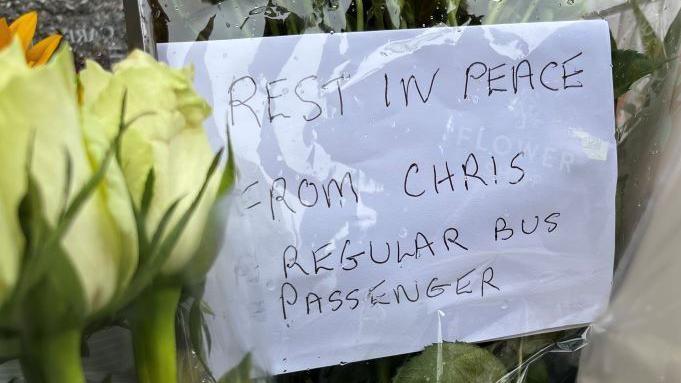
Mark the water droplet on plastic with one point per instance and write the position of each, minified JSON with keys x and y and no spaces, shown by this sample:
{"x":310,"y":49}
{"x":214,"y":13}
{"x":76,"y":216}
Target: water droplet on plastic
{"x":257,"y":10}
{"x":334,"y":4}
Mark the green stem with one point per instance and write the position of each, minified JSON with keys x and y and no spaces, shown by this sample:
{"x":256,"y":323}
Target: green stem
{"x":153,"y":335}
{"x":274,"y":28}
{"x":494,"y":11}
{"x":360,"y":15}
{"x":452,"y":9}
{"x":291,"y":27}
{"x":384,"y":371}
{"x":520,"y":358}
{"x":409,"y":16}
{"x":530,"y":11}
{"x":53,"y":358}
{"x":380,"y":22}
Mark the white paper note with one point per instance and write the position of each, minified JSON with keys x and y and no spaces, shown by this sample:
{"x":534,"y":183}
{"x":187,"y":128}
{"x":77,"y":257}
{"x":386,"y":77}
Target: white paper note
{"x":402,"y":188}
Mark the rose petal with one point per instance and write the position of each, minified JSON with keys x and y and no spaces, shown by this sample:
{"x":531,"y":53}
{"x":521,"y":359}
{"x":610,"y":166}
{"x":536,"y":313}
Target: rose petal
{"x":40,"y":53}
{"x":24,"y":27}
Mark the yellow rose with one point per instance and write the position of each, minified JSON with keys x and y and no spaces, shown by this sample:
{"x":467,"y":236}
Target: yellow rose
{"x":169,"y":139}
{"x":170,"y":143}
{"x":68,"y":237}
{"x":12,"y":182}
{"x":39,"y":110}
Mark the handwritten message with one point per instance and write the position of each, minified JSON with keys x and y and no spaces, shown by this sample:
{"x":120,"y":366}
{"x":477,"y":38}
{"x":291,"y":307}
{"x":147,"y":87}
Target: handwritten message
{"x":397,"y":189}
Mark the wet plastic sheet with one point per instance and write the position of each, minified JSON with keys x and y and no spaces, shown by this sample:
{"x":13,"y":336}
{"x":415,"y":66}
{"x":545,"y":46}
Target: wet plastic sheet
{"x":638,"y":339}
{"x":399,"y":189}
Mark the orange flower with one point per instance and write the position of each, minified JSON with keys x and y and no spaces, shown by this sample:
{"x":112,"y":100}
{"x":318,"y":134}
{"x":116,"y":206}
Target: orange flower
{"x":24,"y":29}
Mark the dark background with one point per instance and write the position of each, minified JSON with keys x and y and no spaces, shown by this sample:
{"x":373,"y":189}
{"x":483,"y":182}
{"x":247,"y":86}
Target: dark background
{"x":94,"y":28}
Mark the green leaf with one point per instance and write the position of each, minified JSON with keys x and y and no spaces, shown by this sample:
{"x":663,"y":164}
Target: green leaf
{"x":79,"y":200}
{"x":394,"y":9}
{"x":121,"y":123}
{"x":210,"y":245}
{"x":671,"y":40}
{"x":163,"y":223}
{"x":239,"y":374}
{"x":54,"y":302}
{"x":512,"y":351}
{"x":48,"y":280}
{"x":451,"y":363}
{"x":198,"y":329}
{"x":61,"y":298}
{"x":229,"y":174}
{"x":36,"y":230}
{"x":148,"y":193}
{"x":49,"y":292}
{"x":141,"y":215}
{"x":68,"y":177}
{"x":376,"y":13}
{"x":212,"y":240}
{"x":196,"y":326}
{"x":204,"y":34}
{"x":538,"y":373}
{"x":171,"y":239}
{"x":652,"y":43}
{"x":151,"y":261}
{"x":10,"y":348}
{"x":162,"y":244}
{"x":93,"y":182}
{"x":629,"y":66}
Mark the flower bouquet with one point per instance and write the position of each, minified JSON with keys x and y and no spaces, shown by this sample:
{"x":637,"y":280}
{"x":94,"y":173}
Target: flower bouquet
{"x":107,"y":195}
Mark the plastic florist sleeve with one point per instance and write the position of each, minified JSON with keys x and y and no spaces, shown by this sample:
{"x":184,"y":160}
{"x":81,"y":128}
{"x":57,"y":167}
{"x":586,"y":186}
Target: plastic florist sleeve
{"x":426,"y":190}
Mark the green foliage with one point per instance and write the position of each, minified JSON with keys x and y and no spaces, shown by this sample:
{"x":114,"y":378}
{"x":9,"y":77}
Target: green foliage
{"x":49,"y":296}
{"x":239,"y":374}
{"x":652,"y":43}
{"x":43,"y":320}
{"x":10,"y":347}
{"x":629,"y":66}
{"x":155,"y":251}
{"x":671,"y":39}
{"x":229,"y":174}
{"x":451,"y":363}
